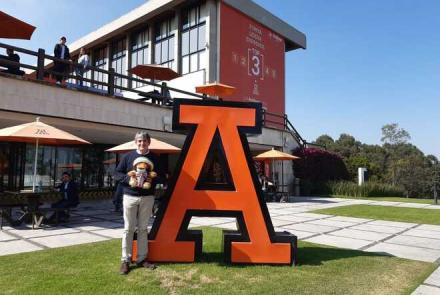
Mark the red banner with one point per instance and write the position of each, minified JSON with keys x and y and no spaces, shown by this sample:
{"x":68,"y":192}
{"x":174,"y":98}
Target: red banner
{"x":252,"y":60}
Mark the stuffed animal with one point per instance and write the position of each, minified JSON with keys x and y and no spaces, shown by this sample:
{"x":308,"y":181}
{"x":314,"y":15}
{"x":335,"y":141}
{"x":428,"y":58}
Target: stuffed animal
{"x":142,"y":173}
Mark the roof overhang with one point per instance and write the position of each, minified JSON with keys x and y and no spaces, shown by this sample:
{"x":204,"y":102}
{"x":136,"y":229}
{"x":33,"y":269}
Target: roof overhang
{"x":128,"y":21}
{"x":294,"y":39}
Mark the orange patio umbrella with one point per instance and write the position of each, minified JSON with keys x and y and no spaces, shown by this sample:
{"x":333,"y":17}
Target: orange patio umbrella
{"x":216,"y":89}
{"x":13,"y":28}
{"x":273,"y":155}
{"x":155,"y":72}
{"x":39,"y":133}
{"x":156,"y":146}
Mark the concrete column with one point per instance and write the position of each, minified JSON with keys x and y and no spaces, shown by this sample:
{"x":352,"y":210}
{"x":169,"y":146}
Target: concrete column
{"x":108,"y":47}
{"x":178,"y":40}
{"x":128,"y":59}
{"x":213,"y":37}
{"x":151,"y":42}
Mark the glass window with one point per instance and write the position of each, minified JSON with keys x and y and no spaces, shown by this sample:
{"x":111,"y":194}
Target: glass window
{"x":4,"y":166}
{"x":194,"y":62}
{"x":185,"y":43}
{"x":92,"y":162}
{"x":185,"y":64}
{"x":171,"y":49}
{"x":164,"y":44}
{"x":68,"y":159}
{"x":203,"y":59}
{"x":164,"y":57}
{"x":119,"y":59}
{"x":140,"y":51}
{"x":45,"y":163}
{"x":193,"y":39}
{"x":109,"y":166}
{"x":89,"y":166}
{"x":100,"y":61}
{"x":157,"y":53}
{"x":202,"y":37}
{"x":193,"y":44}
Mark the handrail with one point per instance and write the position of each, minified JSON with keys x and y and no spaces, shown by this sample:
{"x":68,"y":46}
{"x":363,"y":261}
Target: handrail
{"x":41,"y":70}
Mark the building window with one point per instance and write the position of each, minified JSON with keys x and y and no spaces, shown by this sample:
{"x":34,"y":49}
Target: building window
{"x":90,"y":167}
{"x":164,"y":43}
{"x":119,"y":61}
{"x":100,"y":61}
{"x":4,"y":166}
{"x":194,"y":56}
{"x":139,"y":52}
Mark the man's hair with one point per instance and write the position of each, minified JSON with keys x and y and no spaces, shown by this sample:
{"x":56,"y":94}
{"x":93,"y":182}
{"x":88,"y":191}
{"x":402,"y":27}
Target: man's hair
{"x":63,"y":38}
{"x":67,"y":173}
{"x":142,"y":135}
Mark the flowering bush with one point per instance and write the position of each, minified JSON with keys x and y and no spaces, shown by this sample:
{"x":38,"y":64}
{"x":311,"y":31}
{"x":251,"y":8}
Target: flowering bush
{"x":317,"y":165}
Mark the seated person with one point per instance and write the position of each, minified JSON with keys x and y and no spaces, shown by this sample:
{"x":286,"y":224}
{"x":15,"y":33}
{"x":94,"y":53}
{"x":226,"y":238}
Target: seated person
{"x":70,"y":197}
{"x":12,"y":69}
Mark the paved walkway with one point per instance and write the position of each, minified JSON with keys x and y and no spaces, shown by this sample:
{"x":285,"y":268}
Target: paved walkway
{"x":93,"y":222}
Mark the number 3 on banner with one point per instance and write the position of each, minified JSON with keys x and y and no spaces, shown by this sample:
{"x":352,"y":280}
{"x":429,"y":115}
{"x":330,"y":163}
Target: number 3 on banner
{"x":255,"y":64}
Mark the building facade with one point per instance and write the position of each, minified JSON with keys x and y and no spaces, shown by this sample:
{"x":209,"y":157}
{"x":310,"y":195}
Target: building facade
{"x":233,"y":42}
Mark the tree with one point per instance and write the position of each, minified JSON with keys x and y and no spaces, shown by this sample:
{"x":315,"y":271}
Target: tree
{"x":325,"y":140}
{"x":346,"y":146}
{"x":392,"y":134}
{"x":432,"y":159}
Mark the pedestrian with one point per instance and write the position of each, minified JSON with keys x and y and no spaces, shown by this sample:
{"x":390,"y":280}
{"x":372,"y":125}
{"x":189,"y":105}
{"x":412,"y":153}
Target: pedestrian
{"x":12,"y":68}
{"x":61,"y":51}
{"x":83,"y":64}
{"x":69,"y":197}
{"x":137,"y":203}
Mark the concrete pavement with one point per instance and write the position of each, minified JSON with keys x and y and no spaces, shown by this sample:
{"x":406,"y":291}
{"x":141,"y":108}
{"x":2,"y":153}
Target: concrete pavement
{"x":93,"y":222}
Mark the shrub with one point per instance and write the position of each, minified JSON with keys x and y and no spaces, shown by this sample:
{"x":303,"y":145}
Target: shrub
{"x":317,"y":165}
{"x":368,"y":189}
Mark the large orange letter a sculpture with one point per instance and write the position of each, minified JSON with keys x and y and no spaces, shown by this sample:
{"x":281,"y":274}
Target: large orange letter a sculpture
{"x":255,"y":241}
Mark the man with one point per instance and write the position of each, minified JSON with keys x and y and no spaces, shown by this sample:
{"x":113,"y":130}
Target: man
{"x":61,"y":51}
{"x":12,"y":69}
{"x":70,"y":198}
{"x":137,"y":204}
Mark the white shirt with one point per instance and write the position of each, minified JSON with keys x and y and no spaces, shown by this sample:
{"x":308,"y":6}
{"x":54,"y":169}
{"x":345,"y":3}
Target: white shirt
{"x":63,"y":51}
{"x":139,"y":152}
{"x":65,"y":190}
{"x":84,"y":60}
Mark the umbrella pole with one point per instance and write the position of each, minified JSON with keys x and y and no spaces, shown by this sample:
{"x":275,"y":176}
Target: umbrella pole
{"x":273,"y":171}
{"x":35,"y":166}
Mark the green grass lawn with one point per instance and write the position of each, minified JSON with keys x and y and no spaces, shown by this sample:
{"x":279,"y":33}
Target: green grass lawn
{"x":415,"y":215}
{"x":93,"y":268}
{"x":390,"y":199}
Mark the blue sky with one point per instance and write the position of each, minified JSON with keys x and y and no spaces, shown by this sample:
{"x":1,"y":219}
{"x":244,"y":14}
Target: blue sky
{"x":368,"y":63}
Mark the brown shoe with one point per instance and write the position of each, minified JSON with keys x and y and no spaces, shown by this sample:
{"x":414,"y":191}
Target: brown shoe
{"x":146,"y":264}
{"x":125,"y":268}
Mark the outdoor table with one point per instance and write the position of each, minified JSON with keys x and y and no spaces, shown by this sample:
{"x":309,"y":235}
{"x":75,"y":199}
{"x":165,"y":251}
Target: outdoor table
{"x":31,"y":205}
{"x":155,"y":96}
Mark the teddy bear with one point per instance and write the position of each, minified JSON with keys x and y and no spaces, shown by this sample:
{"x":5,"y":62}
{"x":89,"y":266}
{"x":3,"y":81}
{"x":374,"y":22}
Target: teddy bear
{"x":142,"y":173}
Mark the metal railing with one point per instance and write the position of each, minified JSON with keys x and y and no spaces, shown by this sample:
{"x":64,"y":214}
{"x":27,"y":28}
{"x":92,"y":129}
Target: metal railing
{"x":42,"y":70}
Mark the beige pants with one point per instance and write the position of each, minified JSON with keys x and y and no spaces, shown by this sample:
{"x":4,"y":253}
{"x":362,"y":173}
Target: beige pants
{"x":137,"y":212}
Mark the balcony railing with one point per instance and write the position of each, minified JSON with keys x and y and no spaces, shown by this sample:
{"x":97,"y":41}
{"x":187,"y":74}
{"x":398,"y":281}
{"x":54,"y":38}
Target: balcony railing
{"x":42,"y":71}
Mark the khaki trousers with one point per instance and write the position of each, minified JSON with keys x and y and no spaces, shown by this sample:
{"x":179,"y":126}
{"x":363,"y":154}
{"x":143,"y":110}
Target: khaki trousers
{"x":137,"y":213}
